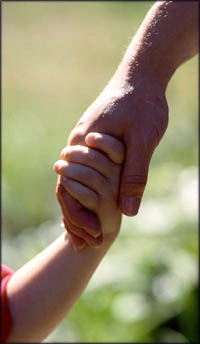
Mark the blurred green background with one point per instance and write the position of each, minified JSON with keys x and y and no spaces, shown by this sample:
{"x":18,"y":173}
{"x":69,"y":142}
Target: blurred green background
{"x":57,"y":57}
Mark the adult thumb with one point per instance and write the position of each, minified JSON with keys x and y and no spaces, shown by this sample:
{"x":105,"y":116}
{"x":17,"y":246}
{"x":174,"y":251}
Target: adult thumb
{"x":134,"y":178}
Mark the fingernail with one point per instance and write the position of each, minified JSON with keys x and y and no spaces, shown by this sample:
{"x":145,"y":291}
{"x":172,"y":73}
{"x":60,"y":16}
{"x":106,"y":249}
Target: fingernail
{"x":95,"y":230}
{"x":130,"y":206}
{"x":96,"y":233}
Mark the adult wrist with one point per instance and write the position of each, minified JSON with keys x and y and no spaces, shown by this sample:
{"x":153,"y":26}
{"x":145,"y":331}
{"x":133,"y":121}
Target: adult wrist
{"x":167,"y":38}
{"x":144,"y":69}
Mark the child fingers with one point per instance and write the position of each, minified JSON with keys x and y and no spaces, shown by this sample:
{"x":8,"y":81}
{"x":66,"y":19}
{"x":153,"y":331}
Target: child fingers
{"x":81,"y":193}
{"x":82,"y":174}
{"x":107,"y":144}
{"x":79,"y":232}
{"x":89,"y":157}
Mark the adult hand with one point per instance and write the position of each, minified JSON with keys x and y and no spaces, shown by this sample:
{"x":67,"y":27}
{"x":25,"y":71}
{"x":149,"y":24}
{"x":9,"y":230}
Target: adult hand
{"x":133,"y":106}
{"x":137,"y":114}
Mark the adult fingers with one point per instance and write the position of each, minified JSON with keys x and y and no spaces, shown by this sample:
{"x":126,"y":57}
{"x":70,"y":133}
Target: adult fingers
{"x":108,"y":144}
{"x":134,"y":177}
{"x":77,"y":232}
{"x":76,"y":213}
{"x":77,"y":242}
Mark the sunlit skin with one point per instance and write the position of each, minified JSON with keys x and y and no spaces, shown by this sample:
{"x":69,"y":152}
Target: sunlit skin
{"x":100,"y":175}
{"x":133,"y":106}
{"x":42,"y":292}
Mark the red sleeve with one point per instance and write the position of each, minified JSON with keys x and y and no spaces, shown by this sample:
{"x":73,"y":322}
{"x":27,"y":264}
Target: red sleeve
{"x":6,"y":273}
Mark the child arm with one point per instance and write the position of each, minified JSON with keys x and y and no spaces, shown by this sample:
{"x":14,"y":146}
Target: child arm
{"x":42,"y":292}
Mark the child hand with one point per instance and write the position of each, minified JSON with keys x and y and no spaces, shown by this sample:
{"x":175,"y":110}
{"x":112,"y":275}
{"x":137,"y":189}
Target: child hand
{"x":91,"y":175}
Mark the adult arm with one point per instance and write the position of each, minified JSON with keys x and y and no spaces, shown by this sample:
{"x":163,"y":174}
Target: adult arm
{"x":133,"y":106}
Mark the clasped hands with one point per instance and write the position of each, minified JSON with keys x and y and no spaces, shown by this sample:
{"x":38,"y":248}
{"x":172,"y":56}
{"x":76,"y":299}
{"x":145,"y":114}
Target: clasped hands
{"x":104,"y":168}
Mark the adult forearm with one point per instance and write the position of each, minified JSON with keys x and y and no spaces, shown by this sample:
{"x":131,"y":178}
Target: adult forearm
{"x":167,"y":37}
{"x":43,"y":291}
